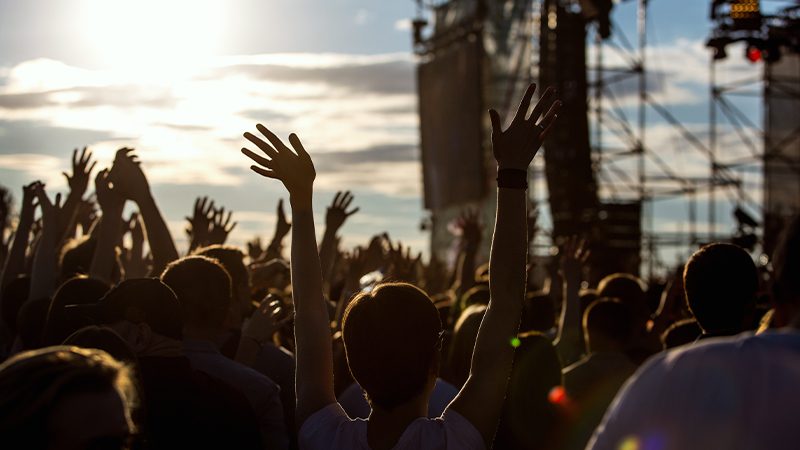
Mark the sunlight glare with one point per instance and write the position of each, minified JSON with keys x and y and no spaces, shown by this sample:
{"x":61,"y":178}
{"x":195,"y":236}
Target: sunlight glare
{"x":153,"y":36}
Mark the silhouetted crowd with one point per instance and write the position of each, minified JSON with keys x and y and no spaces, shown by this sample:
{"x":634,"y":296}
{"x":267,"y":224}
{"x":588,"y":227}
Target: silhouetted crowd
{"x":111,"y":339}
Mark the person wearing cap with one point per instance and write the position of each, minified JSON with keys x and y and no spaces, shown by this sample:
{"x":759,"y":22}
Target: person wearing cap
{"x":184,"y":408}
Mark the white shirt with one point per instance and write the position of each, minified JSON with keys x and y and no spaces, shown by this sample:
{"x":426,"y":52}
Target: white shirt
{"x":330,"y":428}
{"x":729,"y":393}
{"x":356,"y":406}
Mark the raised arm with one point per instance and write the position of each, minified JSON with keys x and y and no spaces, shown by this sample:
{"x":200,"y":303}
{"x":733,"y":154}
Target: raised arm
{"x":44,"y":274}
{"x":569,"y":343}
{"x":335,"y":217}
{"x":109,"y":229}
{"x":15,"y":262}
{"x":78,"y":182}
{"x":128,"y":177}
{"x":481,"y":399}
{"x":314,"y":373}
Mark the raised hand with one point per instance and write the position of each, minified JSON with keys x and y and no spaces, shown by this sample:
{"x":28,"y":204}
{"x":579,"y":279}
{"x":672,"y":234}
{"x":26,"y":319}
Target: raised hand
{"x":221,"y":227}
{"x":293,"y":168}
{"x":515,"y":147}
{"x":469,"y":227}
{"x":50,"y":210}
{"x":108,"y":197}
{"x":28,"y":206}
{"x":128,"y":177}
{"x":282,"y":226}
{"x":574,"y":255}
{"x":200,"y":222}
{"x":254,"y":249}
{"x":337,"y":213}
{"x":82,"y":166}
{"x":403,"y":266}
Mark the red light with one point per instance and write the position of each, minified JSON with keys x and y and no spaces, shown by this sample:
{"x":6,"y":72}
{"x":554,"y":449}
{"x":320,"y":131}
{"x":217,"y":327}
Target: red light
{"x":753,"y":54}
{"x":558,"y":395}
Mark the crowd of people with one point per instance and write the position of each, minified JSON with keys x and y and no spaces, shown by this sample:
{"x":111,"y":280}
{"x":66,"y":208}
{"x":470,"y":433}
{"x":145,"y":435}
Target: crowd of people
{"x":111,"y":339}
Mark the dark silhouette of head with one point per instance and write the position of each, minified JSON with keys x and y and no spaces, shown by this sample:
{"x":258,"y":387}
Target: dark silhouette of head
{"x":721,"y":281}
{"x":143,"y":311}
{"x":608,"y":325}
{"x":14,"y":296}
{"x":476,"y":295}
{"x":463,"y":343}
{"x":30,"y":322}
{"x":232,"y":259}
{"x":392,"y":341}
{"x":538,"y":314}
{"x":630,"y":290}
{"x":203,"y":288}
{"x":65,"y":397}
{"x":76,"y":258}
{"x":530,"y":419}
{"x":75,"y":291}
{"x":105,"y":339}
{"x":786,"y":284}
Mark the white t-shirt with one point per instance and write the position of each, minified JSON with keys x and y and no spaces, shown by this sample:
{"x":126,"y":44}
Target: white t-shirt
{"x":330,"y":428}
{"x":739,"y":393}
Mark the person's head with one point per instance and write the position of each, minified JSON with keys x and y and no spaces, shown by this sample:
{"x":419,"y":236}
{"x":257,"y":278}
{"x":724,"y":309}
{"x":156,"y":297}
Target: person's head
{"x":529,"y":419}
{"x":30,"y":322}
{"x":76,"y":257}
{"x":392,"y":341}
{"x":143,"y":311}
{"x":66,"y":398}
{"x":105,"y":339}
{"x":476,"y":295}
{"x":232,"y":259}
{"x":607,"y":325}
{"x":203,"y":288}
{"x":786,"y":284}
{"x":720,"y":282}
{"x":462,"y":345}
{"x":680,"y":333}
{"x":630,"y":290}
{"x":14,"y":295}
{"x":538,"y":313}
{"x":75,"y":291}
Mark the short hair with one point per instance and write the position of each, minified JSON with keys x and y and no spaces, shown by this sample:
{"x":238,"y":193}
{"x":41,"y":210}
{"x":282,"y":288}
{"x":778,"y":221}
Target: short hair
{"x":628,"y":289}
{"x":203,"y":288}
{"x":476,"y":295}
{"x":231,"y":258}
{"x":391,"y":338}
{"x":32,"y":383}
{"x":720,"y":282}
{"x":75,"y":291}
{"x":610,"y":318}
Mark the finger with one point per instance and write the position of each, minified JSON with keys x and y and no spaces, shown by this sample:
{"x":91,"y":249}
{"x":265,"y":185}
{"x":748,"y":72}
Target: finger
{"x":266,"y":148}
{"x":272,"y":138}
{"x":335,"y":202}
{"x":353,"y":211}
{"x":280,"y":208}
{"x":229,"y":229}
{"x":586,"y":255}
{"x":58,"y":200}
{"x":545,"y":101}
{"x":496,"y":126}
{"x":91,"y":167}
{"x":550,"y":117}
{"x":228,"y":219}
{"x":525,"y":103}
{"x":264,"y":172}
{"x":348,"y":199}
{"x":297,"y":145}
{"x":74,"y":157}
{"x":256,"y":158}
{"x":66,"y":176}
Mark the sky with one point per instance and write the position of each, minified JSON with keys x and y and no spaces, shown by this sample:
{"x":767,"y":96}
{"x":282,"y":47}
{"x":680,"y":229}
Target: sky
{"x":181,"y":80}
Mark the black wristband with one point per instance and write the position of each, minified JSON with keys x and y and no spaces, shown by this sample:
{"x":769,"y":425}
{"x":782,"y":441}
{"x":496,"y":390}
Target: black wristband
{"x":512,"y":178}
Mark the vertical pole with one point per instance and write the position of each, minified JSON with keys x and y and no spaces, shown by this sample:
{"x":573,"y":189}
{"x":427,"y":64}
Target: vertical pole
{"x":646,"y":204}
{"x":712,"y":146}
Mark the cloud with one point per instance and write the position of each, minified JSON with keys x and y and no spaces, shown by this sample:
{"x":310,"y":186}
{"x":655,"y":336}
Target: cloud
{"x":402,"y":25}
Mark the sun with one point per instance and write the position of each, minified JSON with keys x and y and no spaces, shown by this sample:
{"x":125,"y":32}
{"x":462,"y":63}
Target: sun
{"x":152,"y":35}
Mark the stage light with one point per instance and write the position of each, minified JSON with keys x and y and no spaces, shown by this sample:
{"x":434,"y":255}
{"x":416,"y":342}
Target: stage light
{"x":753,"y":54}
